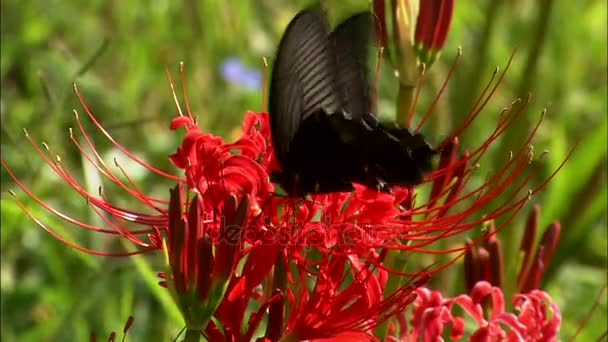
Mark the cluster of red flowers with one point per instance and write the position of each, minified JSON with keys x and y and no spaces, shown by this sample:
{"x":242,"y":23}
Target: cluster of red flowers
{"x":314,"y":266}
{"x":238,"y":254}
{"x":538,"y":318}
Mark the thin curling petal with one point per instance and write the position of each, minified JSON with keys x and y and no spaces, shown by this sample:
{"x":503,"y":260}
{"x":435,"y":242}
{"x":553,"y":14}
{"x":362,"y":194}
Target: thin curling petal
{"x":213,"y":169}
{"x":540,"y":315}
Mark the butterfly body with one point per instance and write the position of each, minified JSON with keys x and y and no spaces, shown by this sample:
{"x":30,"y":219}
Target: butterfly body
{"x":317,"y":143}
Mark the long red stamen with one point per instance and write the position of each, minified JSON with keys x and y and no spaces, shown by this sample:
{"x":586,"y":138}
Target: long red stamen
{"x":440,"y":93}
{"x":119,"y":146}
{"x":70,"y":243}
{"x":480,"y":104}
{"x":99,"y":164}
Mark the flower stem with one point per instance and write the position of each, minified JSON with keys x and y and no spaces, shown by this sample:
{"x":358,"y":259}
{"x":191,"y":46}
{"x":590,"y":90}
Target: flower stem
{"x":404,"y":104}
{"x":192,"y":335}
{"x":274,"y":329}
{"x":395,"y":260}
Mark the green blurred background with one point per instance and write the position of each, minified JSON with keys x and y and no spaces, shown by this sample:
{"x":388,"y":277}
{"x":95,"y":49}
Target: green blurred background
{"x":117,"y":52}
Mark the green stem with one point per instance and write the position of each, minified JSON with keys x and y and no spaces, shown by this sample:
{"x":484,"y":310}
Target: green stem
{"x":192,"y":335}
{"x":274,"y":329}
{"x":405,"y":100}
{"x":395,"y":260}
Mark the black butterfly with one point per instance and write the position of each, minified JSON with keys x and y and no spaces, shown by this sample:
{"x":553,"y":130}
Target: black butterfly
{"x":323,"y":132}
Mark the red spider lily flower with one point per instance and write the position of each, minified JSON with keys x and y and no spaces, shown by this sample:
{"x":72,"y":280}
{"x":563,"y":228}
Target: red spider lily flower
{"x":213,"y":170}
{"x":355,"y":222}
{"x":345,"y":228}
{"x":323,"y":305}
{"x":537,"y":319}
{"x":408,"y":220}
{"x":190,"y":231}
{"x":338,"y":306}
{"x":487,"y":262}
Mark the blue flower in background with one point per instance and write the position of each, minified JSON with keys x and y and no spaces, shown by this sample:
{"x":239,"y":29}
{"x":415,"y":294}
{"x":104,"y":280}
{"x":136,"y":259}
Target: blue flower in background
{"x":233,"y":71}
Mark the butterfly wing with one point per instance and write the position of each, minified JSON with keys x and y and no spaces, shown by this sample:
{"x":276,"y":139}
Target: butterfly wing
{"x":302,"y":79}
{"x":351,"y":42}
